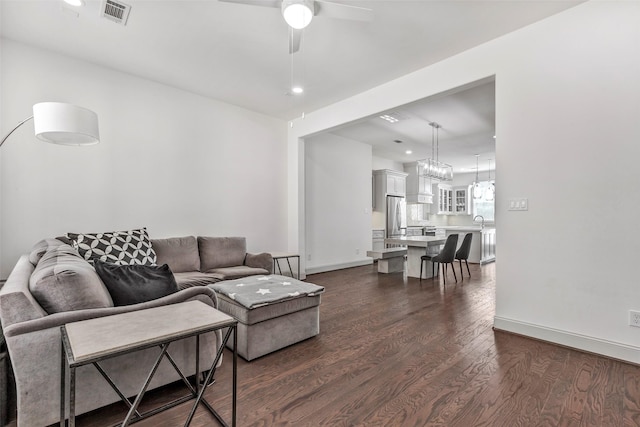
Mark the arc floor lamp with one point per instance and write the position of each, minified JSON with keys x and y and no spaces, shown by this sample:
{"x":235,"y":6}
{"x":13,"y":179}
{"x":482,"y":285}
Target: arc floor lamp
{"x":62,"y":123}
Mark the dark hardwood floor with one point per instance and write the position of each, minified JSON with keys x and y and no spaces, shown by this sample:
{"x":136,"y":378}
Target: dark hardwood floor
{"x":398,"y":352}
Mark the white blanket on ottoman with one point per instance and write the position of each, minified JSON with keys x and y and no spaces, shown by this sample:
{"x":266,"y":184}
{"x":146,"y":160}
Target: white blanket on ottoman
{"x":257,"y":291}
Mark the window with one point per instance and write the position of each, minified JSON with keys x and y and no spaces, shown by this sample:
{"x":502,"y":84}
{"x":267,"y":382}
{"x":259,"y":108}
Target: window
{"x":482,"y":206}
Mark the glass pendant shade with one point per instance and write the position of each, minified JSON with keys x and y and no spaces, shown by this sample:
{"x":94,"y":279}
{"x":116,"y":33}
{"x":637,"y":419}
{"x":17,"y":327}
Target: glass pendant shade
{"x":491,"y":189}
{"x":477,"y":191}
{"x":491,"y":192}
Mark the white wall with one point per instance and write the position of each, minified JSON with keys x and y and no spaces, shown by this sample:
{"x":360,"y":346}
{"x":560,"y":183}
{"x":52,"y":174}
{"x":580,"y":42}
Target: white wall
{"x":568,"y":102}
{"x":380,"y":163}
{"x":175,"y":162}
{"x":338,"y":203}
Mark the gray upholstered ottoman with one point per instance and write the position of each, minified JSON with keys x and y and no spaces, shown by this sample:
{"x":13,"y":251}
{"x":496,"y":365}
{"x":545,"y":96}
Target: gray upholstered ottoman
{"x":272,"y":312}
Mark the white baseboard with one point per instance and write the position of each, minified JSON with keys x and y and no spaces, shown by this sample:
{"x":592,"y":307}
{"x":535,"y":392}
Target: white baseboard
{"x":607,"y":348}
{"x":332,"y":267}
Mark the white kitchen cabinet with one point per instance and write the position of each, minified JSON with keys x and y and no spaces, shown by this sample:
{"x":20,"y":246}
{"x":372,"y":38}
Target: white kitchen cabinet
{"x":443,"y":199}
{"x":488,"y":245}
{"x":461,"y":201}
{"x":378,"y":240}
{"x":418,"y":185}
{"x":396,"y":184}
{"x":387,"y":182}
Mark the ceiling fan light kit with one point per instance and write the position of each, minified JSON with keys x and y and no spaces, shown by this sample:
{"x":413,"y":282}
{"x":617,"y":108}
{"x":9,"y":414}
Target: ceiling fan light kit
{"x":297,"y":13}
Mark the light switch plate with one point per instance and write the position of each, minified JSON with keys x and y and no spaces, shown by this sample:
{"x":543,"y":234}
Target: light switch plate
{"x":519,"y":204}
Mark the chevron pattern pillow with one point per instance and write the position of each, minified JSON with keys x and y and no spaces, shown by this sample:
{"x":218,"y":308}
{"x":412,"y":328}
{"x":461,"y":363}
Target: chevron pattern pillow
{"x":116,"y":247}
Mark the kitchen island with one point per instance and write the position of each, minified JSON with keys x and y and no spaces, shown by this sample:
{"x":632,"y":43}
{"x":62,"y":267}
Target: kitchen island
{"x":483,"y":243}
{"x":416,"y":247}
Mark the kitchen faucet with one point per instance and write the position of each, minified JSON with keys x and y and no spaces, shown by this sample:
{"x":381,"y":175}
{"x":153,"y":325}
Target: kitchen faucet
{"x":479,"y":216}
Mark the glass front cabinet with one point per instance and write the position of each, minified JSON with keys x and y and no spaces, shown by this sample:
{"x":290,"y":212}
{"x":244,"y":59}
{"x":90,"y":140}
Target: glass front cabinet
{"x":461,"y":201}
{"x":442,"y":199}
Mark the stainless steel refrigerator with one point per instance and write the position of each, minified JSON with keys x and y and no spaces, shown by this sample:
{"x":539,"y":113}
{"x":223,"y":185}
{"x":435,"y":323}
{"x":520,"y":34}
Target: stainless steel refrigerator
{"x":396,"y":216}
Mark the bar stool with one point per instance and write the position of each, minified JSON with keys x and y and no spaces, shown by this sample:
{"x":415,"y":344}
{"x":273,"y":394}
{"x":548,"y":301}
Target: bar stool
{"x":446,"y":256}
{"x":463,"y":252}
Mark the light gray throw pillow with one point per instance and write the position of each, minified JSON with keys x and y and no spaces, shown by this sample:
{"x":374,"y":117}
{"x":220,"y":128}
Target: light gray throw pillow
{"x":63,"y":281}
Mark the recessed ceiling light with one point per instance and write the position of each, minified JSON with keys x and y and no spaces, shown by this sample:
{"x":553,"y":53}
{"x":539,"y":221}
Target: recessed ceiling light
{"x":76,"y":3}
{"x":389,"y":118}
{"x":297,"y":90}
{"x":494,"y":137}
{"x":408,"y":152}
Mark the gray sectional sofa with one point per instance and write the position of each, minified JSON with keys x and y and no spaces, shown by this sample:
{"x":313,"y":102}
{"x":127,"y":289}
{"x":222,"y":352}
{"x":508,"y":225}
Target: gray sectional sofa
{"x":54,"y":285}
{"x":204,"y":260}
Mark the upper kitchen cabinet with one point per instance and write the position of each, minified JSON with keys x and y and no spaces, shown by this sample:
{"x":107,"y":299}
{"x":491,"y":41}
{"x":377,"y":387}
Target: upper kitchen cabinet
{"x":387,"y":182}
{"x":449,"y":200}
{"x":462,"y":205}
{"x":418,"y":184}
{"x":443,"y":199}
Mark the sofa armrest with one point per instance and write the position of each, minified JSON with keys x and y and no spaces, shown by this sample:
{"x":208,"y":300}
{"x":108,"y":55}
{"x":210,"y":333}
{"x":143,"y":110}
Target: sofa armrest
{"x":35,"y":351}
{"x":263,"y":260}
{"x":201,"y":293}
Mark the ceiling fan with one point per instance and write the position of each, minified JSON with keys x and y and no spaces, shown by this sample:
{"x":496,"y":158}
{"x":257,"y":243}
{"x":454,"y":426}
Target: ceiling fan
{"x":299,"y":13}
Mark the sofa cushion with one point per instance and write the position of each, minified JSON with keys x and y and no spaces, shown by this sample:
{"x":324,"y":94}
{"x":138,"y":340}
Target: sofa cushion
{"x":237,"y":272}
{"x":63,"y":281}
{"x":216,"y":252}
{"x":263,"y":260}
{"x":180,"y":253}
{"x":116,"y":247}
{"x":133,"y":284}
{"x":189,"y":279}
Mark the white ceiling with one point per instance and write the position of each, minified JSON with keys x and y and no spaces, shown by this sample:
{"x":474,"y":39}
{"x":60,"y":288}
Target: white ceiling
{"x":467,"y":120}
{"x":239,"y":54}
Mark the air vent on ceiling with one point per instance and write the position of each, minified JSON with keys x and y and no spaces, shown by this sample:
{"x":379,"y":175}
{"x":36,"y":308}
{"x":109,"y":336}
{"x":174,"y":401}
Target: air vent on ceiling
{"x":115,"y":11}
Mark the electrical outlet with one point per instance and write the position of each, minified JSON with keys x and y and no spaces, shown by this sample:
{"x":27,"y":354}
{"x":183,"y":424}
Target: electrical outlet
{"x":634,"y":318}
{"x":357,"y":251}
{"x":309,"y":257}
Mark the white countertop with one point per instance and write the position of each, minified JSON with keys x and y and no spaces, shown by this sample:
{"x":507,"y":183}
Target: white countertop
{"x":477,"y":228}
{"x":418,"y":241}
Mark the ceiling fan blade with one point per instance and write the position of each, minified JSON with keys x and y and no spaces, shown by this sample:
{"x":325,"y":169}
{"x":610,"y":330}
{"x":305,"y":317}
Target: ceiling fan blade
{"x":266,"y":3}
{"x":295,"y":36}
{"x":342,"y":11}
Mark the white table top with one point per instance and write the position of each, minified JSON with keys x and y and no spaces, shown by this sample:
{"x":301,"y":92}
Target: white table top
{"x":107,"y":335}
{"x":283,"y":254}
{"x":417,"y":241}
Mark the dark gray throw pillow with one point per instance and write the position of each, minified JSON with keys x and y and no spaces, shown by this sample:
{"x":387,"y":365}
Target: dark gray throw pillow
{"x":132,"y":284}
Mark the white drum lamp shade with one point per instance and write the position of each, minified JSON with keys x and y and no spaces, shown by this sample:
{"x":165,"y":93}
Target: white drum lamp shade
{"x":65,"y":124}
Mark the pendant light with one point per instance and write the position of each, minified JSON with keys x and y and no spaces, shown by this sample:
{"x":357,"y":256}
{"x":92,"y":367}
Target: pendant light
{"x":477,"y":191}
{"x":491,"y":189}
{"x":433,"y":167}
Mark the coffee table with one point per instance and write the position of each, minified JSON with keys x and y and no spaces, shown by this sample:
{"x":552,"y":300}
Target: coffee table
{"x":91,"y":341}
